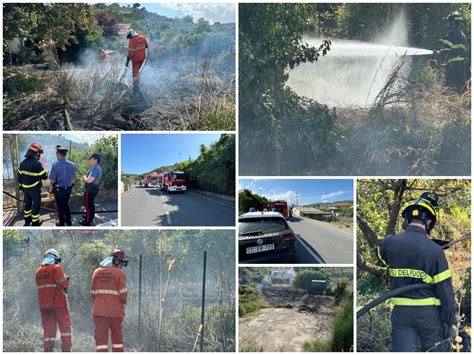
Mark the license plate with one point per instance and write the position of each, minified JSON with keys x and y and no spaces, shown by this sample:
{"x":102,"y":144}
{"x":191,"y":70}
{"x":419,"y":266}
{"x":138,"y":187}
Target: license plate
{"x":260,"y":248}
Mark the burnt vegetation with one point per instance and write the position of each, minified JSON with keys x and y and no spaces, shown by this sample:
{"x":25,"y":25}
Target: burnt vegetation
{"x":55,"y":78}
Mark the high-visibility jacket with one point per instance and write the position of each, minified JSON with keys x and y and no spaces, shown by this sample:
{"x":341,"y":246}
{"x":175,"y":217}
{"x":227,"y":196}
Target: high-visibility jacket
{"x":137,"y":48}
{"x":455,"y":46}
{"x":109,"y":292}
{"x":51,"y":284}
{"x":413,"y":258}
{"x":30,"y":173}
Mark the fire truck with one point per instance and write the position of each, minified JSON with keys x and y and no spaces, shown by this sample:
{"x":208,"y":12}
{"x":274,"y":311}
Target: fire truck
{"x":172,"y":181}
{"x":151,"y":180}
{"x":281,"y":206}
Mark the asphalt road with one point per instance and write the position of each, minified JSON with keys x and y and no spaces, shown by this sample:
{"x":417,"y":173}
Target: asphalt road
{"x":333,"y":244}
{"x":152,"y":207}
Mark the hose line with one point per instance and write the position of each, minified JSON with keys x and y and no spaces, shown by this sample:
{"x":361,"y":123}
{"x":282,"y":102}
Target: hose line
{"x":388,"y":295}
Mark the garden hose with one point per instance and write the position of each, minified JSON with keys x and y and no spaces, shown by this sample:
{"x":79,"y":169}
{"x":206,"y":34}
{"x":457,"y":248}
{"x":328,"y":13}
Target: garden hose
{"x":53,"y":210}
{"x":390,"y":294}
{"x":146,"y":60}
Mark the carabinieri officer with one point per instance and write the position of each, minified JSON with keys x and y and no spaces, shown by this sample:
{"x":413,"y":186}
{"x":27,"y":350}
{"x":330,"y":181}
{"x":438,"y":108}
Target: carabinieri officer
{"x":91,"y":180}
{"x":61,"y":181}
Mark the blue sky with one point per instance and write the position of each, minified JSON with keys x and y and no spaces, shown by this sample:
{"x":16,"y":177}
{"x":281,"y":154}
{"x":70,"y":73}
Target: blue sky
{"x":143,"y":152}
{"x":309,"y":191}
{"x":223,"y":12}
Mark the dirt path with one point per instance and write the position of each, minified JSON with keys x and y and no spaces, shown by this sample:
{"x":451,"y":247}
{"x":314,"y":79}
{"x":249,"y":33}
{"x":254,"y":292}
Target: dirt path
{"x":283,"y":329}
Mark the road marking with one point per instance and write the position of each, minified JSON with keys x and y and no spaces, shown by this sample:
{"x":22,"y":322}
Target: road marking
{"x":303,"y":242}
{"x":168,"y":218}
{"x":210,"y":199}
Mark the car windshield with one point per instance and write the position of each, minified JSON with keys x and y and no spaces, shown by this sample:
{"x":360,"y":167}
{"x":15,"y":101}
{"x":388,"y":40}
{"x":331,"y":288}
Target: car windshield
{"x":177,"y":176}
{"x":261,"y":225}
{"x":154,"y":178}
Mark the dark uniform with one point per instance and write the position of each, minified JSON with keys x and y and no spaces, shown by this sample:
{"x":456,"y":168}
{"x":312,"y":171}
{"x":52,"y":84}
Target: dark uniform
{"x":413,"y":258}
{"x":30,"y":174}
{"x":91,"y":192}
{"x":455,"y":52}
{"x":63,"y":173}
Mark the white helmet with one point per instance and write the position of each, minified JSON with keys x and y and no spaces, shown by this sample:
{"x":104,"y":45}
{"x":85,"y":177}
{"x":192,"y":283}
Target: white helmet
{"x":51,"y":256}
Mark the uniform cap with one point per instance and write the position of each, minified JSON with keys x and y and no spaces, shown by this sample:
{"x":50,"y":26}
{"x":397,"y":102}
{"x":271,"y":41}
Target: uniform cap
{"x":61,"y":148}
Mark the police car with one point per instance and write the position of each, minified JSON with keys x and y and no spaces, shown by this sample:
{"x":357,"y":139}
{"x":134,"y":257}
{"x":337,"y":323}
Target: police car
{"x":266,"y":237}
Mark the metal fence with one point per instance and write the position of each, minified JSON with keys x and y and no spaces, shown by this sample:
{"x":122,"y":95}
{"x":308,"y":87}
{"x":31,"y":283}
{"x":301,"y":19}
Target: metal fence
{"x":190,"y":298}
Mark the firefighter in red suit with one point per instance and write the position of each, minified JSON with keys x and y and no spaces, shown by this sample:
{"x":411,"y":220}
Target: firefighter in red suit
{"x":109,"y":297}
{"x":52,"y":288}
{"x":137,"y":52}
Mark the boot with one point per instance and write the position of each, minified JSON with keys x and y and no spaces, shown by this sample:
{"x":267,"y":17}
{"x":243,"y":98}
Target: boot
{"x":84,"y":223}
{"x":37,"y":223}
{"x":27,"y":222}
{"x":59,"y":224}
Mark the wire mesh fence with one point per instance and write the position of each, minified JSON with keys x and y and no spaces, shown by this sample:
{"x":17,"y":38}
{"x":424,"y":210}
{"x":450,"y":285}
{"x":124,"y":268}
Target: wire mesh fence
{"x":165,"y":304}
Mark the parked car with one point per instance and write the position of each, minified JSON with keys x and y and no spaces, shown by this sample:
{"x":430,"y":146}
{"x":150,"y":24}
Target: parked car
{"x":266,"y":237}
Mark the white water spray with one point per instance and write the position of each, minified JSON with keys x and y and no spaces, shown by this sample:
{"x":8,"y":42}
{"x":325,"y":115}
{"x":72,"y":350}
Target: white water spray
{"x":353,"y":72}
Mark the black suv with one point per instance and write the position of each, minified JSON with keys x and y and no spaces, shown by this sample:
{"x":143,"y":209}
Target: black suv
{"x":265,"y":237}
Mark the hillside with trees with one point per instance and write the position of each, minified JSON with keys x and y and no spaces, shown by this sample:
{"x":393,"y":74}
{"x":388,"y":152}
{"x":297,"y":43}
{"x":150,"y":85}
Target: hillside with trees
{"x":213,"y":170}
{"x":52,"y":60}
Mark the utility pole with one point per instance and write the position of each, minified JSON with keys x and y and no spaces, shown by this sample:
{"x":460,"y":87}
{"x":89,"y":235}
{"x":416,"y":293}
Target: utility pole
{"x":297,"y":199}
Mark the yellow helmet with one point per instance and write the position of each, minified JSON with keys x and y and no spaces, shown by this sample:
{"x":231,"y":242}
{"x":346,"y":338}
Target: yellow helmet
{"x":424,"y":208}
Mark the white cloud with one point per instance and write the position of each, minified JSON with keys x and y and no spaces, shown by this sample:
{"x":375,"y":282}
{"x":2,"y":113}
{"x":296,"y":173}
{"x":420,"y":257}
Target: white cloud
{"x":210,"y":12}
{"x":289,"y":196}
{"x":330,"y":195}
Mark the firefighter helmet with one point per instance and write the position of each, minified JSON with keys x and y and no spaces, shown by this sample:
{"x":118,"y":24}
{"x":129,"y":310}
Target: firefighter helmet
{"x":35,"y":147}
{"x":455,"y":17}
{"x":424,"y":208}
{"x":131,"y":33}
{"x":54,"y":254}
{"x":119,"y":257}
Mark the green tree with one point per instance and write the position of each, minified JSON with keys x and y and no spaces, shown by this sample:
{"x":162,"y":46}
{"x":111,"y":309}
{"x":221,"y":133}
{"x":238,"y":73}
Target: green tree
{"x":248,"y":199}
{"x":304,"y":278}
{"x":274,"y":121}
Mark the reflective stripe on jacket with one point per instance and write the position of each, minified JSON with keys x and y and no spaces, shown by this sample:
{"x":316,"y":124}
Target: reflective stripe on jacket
{"x":412,"y":257}
{"x":30,"y":173}
{"x":50,"y":283}
{"x":137,"y":48}
{"x":109,"y":292}
{"x":454,"y":46}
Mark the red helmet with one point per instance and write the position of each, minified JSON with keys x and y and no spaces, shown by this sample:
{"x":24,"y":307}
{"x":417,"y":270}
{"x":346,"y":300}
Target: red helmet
{"x":119,"y":257}
{"x":35,"y":147}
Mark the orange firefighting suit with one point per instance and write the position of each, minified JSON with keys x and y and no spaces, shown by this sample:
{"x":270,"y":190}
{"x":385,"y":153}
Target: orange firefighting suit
{"x":51,"y":284}
{"x":109,"y":297}
{"x":137,"y":54}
